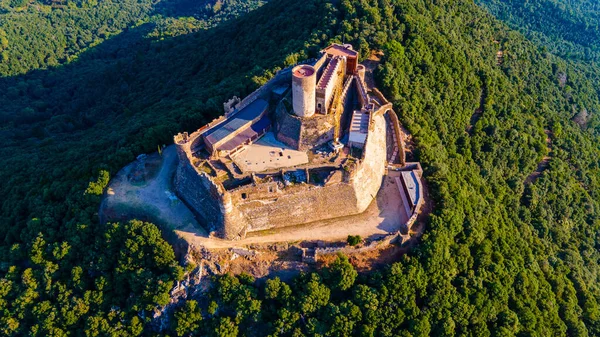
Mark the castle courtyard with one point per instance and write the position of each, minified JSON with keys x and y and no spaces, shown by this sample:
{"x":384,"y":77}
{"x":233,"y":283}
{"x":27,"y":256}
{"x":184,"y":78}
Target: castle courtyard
{"x":268,"y":154}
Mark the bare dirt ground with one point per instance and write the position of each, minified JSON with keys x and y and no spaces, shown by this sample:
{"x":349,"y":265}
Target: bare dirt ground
{"x":152,"y":199}
{"x":268,"y":153}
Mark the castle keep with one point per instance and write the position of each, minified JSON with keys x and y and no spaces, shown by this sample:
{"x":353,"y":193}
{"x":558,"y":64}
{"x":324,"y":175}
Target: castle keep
{"x":309,"y":145}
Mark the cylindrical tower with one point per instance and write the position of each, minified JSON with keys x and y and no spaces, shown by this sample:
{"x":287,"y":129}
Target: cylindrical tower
{"x":360,"y":71}
{"x":181,"y":145}
{"x":304,"y":82}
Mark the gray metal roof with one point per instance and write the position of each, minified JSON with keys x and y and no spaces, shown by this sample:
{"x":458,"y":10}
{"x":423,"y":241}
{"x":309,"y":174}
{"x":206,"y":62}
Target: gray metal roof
{"x":412,"y":185}
{"x":241,"y":118}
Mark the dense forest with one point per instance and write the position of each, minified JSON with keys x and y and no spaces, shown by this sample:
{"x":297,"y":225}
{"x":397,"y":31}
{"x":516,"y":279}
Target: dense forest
{"x":41,"y":34}
{"x":570,"y":29}
{"x":502,"y":255}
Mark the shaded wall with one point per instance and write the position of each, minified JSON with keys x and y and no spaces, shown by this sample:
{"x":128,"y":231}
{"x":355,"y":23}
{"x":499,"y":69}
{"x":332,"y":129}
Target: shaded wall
{"x":207,"y":201}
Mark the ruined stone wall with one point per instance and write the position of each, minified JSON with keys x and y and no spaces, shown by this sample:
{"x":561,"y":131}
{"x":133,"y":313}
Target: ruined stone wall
{"x":206,"y":199}
{"x":288,"y":129}
{"x":316,"y":131}
{"x":368,"y":177}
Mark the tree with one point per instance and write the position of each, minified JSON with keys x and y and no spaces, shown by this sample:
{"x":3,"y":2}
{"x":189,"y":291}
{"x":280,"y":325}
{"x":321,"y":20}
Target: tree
{"x":97,"y":187}
{"x":312,"y":294}
{"x":226,"y":328}
{"x":354,"y":240}
{"x":187,"y":319}
{"x":275,"y":289}
{"x":341,"y":274}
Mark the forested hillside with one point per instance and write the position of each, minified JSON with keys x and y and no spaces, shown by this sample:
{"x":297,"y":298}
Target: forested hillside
{"x":502,"y":254}
{"x":567,"y":28}
{"x":40,"y":34}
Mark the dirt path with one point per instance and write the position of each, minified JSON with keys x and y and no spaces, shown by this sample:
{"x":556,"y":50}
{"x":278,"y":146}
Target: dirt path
{"x":155,"y":201}
{"x":385,"y":215}
{"x":544,"y":163}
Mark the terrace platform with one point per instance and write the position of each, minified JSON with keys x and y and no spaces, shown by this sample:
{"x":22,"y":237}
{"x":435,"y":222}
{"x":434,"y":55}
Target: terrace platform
{"x":267,"y":154}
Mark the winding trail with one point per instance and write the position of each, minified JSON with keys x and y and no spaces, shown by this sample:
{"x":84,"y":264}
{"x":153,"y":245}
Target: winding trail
{"x":544,"y":163}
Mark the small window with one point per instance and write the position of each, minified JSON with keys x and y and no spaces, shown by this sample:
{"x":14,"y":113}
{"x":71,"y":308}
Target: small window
{"x":244,"y":196}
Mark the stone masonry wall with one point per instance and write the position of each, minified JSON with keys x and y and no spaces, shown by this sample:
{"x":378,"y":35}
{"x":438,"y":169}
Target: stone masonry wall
{"x":331,"y":201}
{"x":288,"y":129}
{"x":309,"y":205}
{"x":214,"y":207}
{"x":368,"y":178}
{"x":207,"y":200}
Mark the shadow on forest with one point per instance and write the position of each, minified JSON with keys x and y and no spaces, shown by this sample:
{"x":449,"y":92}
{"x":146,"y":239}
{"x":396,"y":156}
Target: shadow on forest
{"x":130,"y":94}
{"x":184,"y":8}
{"x":131,"y":73}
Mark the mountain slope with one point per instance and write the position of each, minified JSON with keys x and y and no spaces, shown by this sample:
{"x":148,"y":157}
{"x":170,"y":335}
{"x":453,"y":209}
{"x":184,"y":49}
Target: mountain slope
{"x":567,"y":28}
{"x":502,"y":255}
{"x":63,"y":127}
{"x":41,"y":34}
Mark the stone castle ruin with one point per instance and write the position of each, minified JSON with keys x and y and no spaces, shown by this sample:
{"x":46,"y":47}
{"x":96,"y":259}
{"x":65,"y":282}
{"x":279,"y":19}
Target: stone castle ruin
{"x":307,"y":146}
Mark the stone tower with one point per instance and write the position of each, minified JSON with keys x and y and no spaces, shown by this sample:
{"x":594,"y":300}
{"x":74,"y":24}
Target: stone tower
{"x":304,"y":82}
{"x":360,"y":71}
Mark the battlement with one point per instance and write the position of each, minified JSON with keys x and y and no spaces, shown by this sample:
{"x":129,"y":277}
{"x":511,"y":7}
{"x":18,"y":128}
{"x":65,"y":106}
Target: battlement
{"x":332,"y":68}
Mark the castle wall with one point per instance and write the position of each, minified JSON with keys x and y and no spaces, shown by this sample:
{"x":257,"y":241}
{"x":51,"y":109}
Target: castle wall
{"x":264,"y":206}
{"x":398,"y":136}
{"x":319,"y":64}
{"x":277,"y":209}
{"x":308,"y":205}
{"x":207,"y":200}
{"x":288,"y":129}
{"x":368,"y":177}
